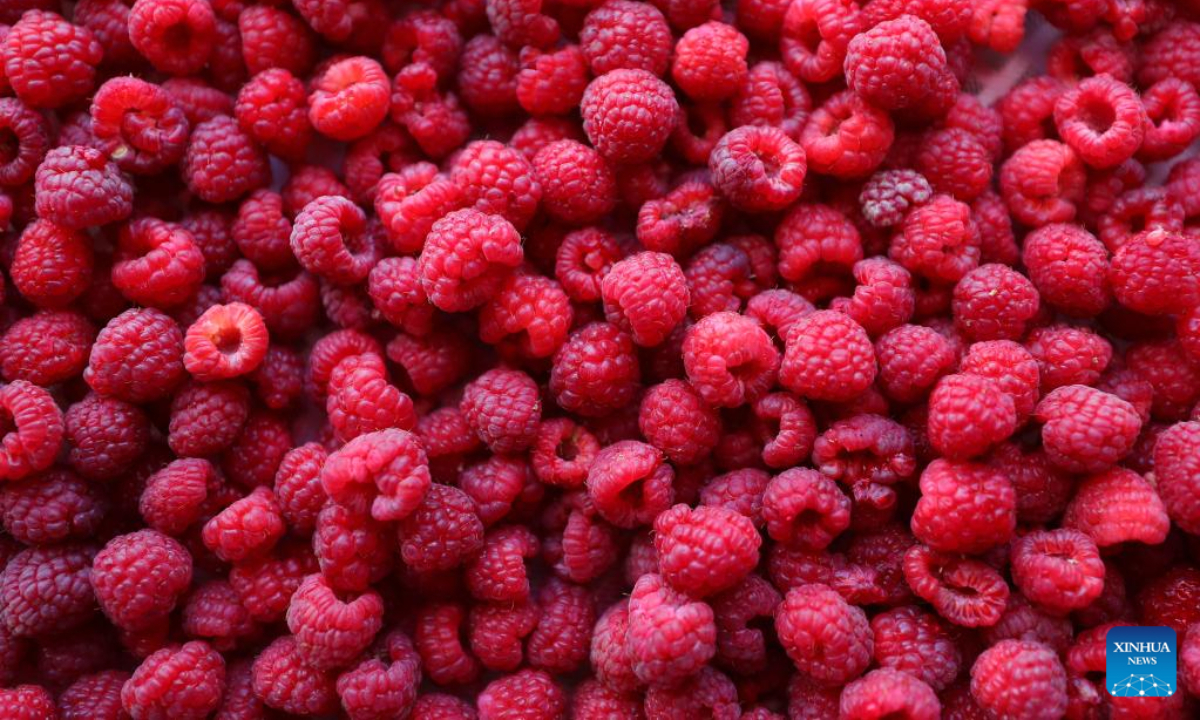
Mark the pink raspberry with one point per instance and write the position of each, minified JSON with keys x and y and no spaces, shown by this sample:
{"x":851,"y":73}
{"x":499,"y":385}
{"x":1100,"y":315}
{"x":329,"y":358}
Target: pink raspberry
{"x":670,"y":636}
{"x":619,"y":34}
{"x":384,"y":683}
{"x":1069,"y":268}
{"x":185,"y":682}
{"x":803,"y":507}
{"x":248,"y":528}
{"x":1058,"y":569}
{"x":674,"y":418}
{"x":157,"y":264}
{"x":623,"y":132}
{"x":225,"y":342}
{"x":759,"y":169}
{"x":34,"y":431}
{"x":222,"y":163}
{"x":911,"y":360}
{"x":526,"y":695}
{"x":1119,"y":506}
{"x":48,"y":62}
{"x":964,"y":507}
{"x":938,"y":241}
{"x":994,"y":302}
{"x":497,"y":179}
{"x":896,"y":64}
{"x":966,"y":592}
{"x":176,"y":36}
{"x":1175,"y":466}
{"x":846,"y":137}
{"x":1042,"y":182}
{"x":353,"y":549}
{"x":827,"y":639}
{"x":361,"y":400}
{"x":1155,"y":272}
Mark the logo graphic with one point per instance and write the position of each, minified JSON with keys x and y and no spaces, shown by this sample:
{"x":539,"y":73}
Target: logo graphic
{"x":1140,"y":661}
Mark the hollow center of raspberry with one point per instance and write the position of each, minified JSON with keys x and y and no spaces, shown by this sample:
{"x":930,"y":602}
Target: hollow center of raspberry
{"x":7,"y":424}
{"x":765,"y":624}
{"x":1097,"y":115}
{"x":10,"y":145}
{"x":808,"y":518}
{"x":178,"y":35}
{"x":228,"y":339}
{"x":631,"y":494}
{"x":808,"y":36}
{"x":567,"y":449}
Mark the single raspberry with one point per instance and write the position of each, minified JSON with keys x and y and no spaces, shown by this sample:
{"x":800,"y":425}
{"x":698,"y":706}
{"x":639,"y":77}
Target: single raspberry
{"x":157,"y":264}
{"x":437,"y":706}
{"x":1173,"y":112}
{"x":433,"y":362}
{"x":330,"y":631}
{"x":730,"y":360}
{"x":49,"y":62}
{"x":708,"y":692}
{"x":521,"y":22}
{"x":966,"y":592}
{"x":227,"y":341}
{"x":441,"y":641}
{"x":434,"y":120}
{"x":593,"y":700}
{"x":676,"y":421}
{"x":353,"y":549}
{"x":1069,"y":268}
{"x":298,"y":488}
{"x":362,"y":401}
{"x":803,"y":507}
{"x":504,"y":408}
{"x":682,"y":220}
{"x":815,"y":36}
{"x":273,"y":38}
{"x":829,"y":357}
{"x":33,"y":430}
{"x":282,"y":680}
{"x":786,"y":427}
{"x":560,"y":642}
{"x":885,"y":691}
{"x":630,"y":484}
{"x":770,"y":96}
{"x":1176,"y":472}
{"x":619,"y":34}
{"x":496,"y":485}
{"x":199,"y":101}
{"x":97,"y":695}
{"x":389,"y":462}
{"x":994,"y":302}
{"x":595,"y":371}
{"x":526,"y":695}
{"x":578,"y":187}
{"x":1154,"y":272}
{"x":955,"y":162}
{"x":78,"y":187}
{"x":759,"y":169}
{"x":1143,"y":208}
{"x":279,"y":380}
{"x":846,"y":137}
{"x":865,"y":450}
{"x":467,"y":255}
{"x":443,"y":532}
{"x":563,"y":452}
{"x":1058,"y":569}
{"x":499,"y":573}
{"x":1166,"y":367}
{"x":333,"y":239}
{"x":497,"y":179}
{"x":271,"y":109}
{"x":884,"y":298}
{"x":422,"y":36}
{"x":938,"y":241}
{"x":253,"y":459}
{"x":139,"y":577}
{"x":913,"y":641}
{"x":306,"y":183}
{"x":827,"y":639}
{"x":104,"y":436}
{"x":689,"y":560}
{"x":551,"y":83}
{"x":349,"y":99}
{"x":55,"y":506}
{"x":176,"y":496}
{"x":249,"y":527}
{"x":138,"y":125}
{"x":186,"y":682}
{"x":46,"y":348}
{"x":1068,"y":355}
{"x":896,"y":63}
{"x":645,"y":294}
{"x":176,"y":36}
{"x":265,"y":585}
{"x":710,"y":61}
{"x":968,"y":414}
{"x":530,"y":314}
{"x":206,"y":418}
{"x":47,"y":590}
{"x":222,"y":163}
{"x":911,"y":360}
{"x":384,"y":684}
{"x":1044,"y":684}
{"x":1102,"y":119}
{"x":1086,"y":430}
{"x":211,"y":230}
{"x":628,"y":133}
{"x":669,"y":636}
{"x":818,"y":248}
{"x":27,"y":702}
{"x":28,"y":137}
{"x":964,"y":507}
{"x":487,"y":76}
{"x":1042,"y":182}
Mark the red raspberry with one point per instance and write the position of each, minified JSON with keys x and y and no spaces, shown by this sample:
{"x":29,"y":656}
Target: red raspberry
{"x":595,"y":371}
{"x":93,"y":696}
{"x":538,"y":132}
{"x":911,"y":359}
{"x":1173,"y":113}
{"x":968,"y":414}
{"x":46,"y":348}
{"x":563,"y":452}
{"x":1176,"y":472}
{"x":176,"y":496}
{"x":1069,"y":267}
{"x":279,"y":380}
{"x":157,"y":264}
{"x":271,"y":109}
{"x":504,"y":408}
{"x":496,"y":485}
{"x":681,"y":221}
{"x":759,"y":169}
{"x":432,"y":363}
{"x":786,"y":427}
{"x":1068,"y":355}
{"x":630,"y":484}
{"x":349,"y":99}
{"x":227,"y":341}
{"x":467,"y":255}
{"x":559,"y":644}
{"x":866,"y":452}
{"x":49,"y":62}
{"x":994,"y":302}
{"x":730,"y":360}
{"x":884,"y":298}
{"x":287,"y":302}
{"x":206,"y":418}
{"x":827,"y":639}
{"x":620,"y":34}
{"x":1059,"y":569}
{"x":1075,"y":58}
{"x":829,"y":357}
{"x":1086,"y":430}
{"x":577,"y":185}
{"x":1042,"y":182}
{"x":384,"y":684}
{"x":770,"y":96}
{"x":328,"y":352}
{"x":526,"y":695}
{"x":434,"y":120}
{"x":497,"y":179}
{"x":1102,"y":119}
{"x":551,"y":83}
{"x":265,"y":585}
{"x":966,"y":592}
{"x":443,"y":532}
{"x":361,"y":400}
{"x":689,"y":559}
{"x":882,"y":692}
{"x":895,"y":64}
{"x":137,"y":124}
{"x":582,"y":260}
{"x":29,"y":136}
{"x":530,"y":314}
{"x":674,"y":418}
{"x":777,"y":310}
{"x":521,"y":22}
{"x":708,"y":692}
{"x":184,"y":682}
{"x":669,"y":636}
{"x":176,"y":36}
{"x":423,"y":36}
{"x":298,"y":487}
{"x":211,"y":231}
{"x":1145,"y":208}
{"x":815,"y":241}
{"x":710,"y":61}
{"x":52,"y":507}
{"x":613,"y":666}
{"x":254,"y":457}
{"x":78,"y":187}
{"x":647,"y":295}
{"x":803,"y":507}
{"x":742,"y":642}
{"x":27,"y":702}
{"x":436,"y":706}
{"x":1042,"y":489}
{"x":34,"y":430}
{"x":105,"y":436}
{"x":964,"y":507}
{"x":389,"y":462}
{"x":440,"y":641}
{"x":1176,"y":383}
{"x":1043,"y":686}
{"x":627,"y":133}
{"x":222,"y":163}
{"x":394,"y":286}
{"x":273,"y":38}
{"x":487,"y":76}
{"x":1154,"y":272}
{"x":333,"y":239}
{"x":47,"y":590}
{"x":353,"y":549}
{"x":1119,"y":506}
{"x":499,"y":573}
{"x":910,"y":640}
{"x":332,"y":630}
{"x":593,"y":700}
{"x":282,"y":680}
{"x":309,"y":182}
{"x":240,"y":701}
{"x":138,"y":578}
{"x":938,"y":241}
{"x":816,"y":34}
{"x":250,"y":527}
{"x":408,"y":204}
{"x":846,"y":137}
{"x":199,"y":101}
{"x":955,"y":162}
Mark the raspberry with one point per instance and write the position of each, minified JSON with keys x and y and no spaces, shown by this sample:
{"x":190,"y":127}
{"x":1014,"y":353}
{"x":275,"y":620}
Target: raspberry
{"x":1068,"y":355}
{"x":497,"y":633}
{"x":690,"y":561}
{"x":271,"y":109}
{"x":1173,"y":112}
{"x":93,"y":696}
{"x":559,"y":643}
{"x":816,"y":34}
{"x":551,"y":83}
{"x":630,"y":484}
{"x":955,"y":162}
{"x":896,"y":63}
{"x":47,"y":590}
{"x":46,"y":348}
{"x":966,"y":592}
{"x":1153,"y":272}
{"x":1165,"y":366}
{"x":827,"y":639}
{"x":53,"y":507}
{"x":497,"y":179}
{"x":729,"y":359}
{"x":669,"y":636}
{"x":645,"y":294}
{"x":1042,"y":182}
{"x":487,"y":76}
{"x":938,"y":241}
{"x":770,"y":96}
{"x":1044,"y":682}
{"x":1170,"y":50}
{"x":710,"y":61}
{"x":595,"y":371}
{"x":249,"y":527}
{"x":577,"y":185}
{"x":389,"y":461}
{"x":78,"y":187}
{"x":889,"y":194}
{"x":279,"y":380}
{"x":273,"y":38}
{"x":52,"y":266}
{"x":139,"y":577}
{"x":240,"y":700}
{"x":287,"y":302}
{"x":758,"y":169}
{"x":423,"y":36}
{"x":865,"y":449}
{"x":911,"y":359}
{"x":530,"y":313}
{"x":742,"y":642}
{"x":846,"y":137}
{"x":157,"y":264}
{"x":207,"y":418}
{"x":1086,"y":430}
{"x":176,"y":496}
{"x":538,"y":132}
{"x":815,"y":243}
{"x":964,"y":507}
{"x":349,"y":99}
{"x":408,"y":204}
{"x":681,"y":221}
{"x":33,"y":432}
{"x":443,"y":532}
{"x":525,"y":695}
{"x":183,"y":682}
{"x":910,"y":640}
{"x":829,"y":357}
{"x":563,"y":452}
{"x":803,"y":507}
{"x":137,"y":124}
{"x":353,"y":549}
{"x":282,"y":680}
{"x":176,"y":36}
{"x":27,"y":702}
{"x":499,"y":573}
{"x":222,"y":163}
{"x":994,"y":302}
{"x":225,"y":342}
{"x":1058,"y":569}
{"x":254,"y":457}
{"x":49,"y":62}
{"x":708,"y":692}
{"x":1102,"y":119}
{"x":968,"y":414}
{"x":1042,"y":489}
{"x":1176,"y":473}
{"x":332,"y":239}
{"x":521,"y":22}
{"x":330,"y":631}
{"x":626,"y":132}
{"x":619,"y":34}
{"x":199,"y":101}
{"x":384,"y":684}
{"x":1068,"y":266}
{"x":884,"y":298}
{"x":309,"y":182}
{"x":29,"y":139}
{"x":467,"y":255}
{"x":882,"y":692}
{"x":265,"y":585}
{"x":436,"y":706}
{"x":439,"y":640}
{"x":593,"y":700}
{"x":676,"y":421}
{"x":104,"y":436}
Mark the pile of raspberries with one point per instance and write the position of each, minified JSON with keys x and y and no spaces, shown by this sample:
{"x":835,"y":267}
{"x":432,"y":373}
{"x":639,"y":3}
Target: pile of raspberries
{"x":595,"y":359}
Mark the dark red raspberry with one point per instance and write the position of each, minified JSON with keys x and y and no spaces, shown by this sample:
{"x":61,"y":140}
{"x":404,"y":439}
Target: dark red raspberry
{"x":266,"y":585}
{"x":499,"y":573}
{"x":138,"y":578}
{"x":186,"y":682}
{"x":487,"y":76}
{"x":786,"y":427}
{"x":846,"y":137}
{"x":93,"y":696}
{"x":698,"y":130}
{"x":440,"y":640}
{"x":222,"y":163}
{"x":1059,"y":569}
{"x":1042,"y":182}
{"x":827,"y":639}
{"x":1176,"y":472}
{"x":758,"y":169}
{"x":622,"y":132}
{"x":443,"y":532}
{"x":104,"y":436}
{"x":436,"y":706}
{"x":176,"y":496}
{"x":496,"y":485}
{"x":331,"y":630}
{"x":394,"y":286}
{"x":896,"y":64}
{"x":333,"y":239}
{"x":353,"y":549}
{"x":288,"y":302}
{"x":34,"y":430}
{"x":504,"y":408}
{"x":207,"y":418}
{"x":721,"y":276}
{"x":1176,"y":382}
{"x":865,"y":450}
{"x":593,"y":700}
{"x":669,"y":636}
{"x":803,"y":507}
{"x":829,"y":357}
{"x":349,"y":99}
{"x":964,"y":507}
{"x":52,"y":265}
{"x":966,"y":592}
{"x":271,"y":109}
{"x":176,"y":36}
{"x":559,"y":644}
{"x":630,"y":484}
{"x":279,"y":380}
{"x":282,"y":680}
{"x":227,"y":341}
{"x":298,"y":488}
{"x":681,"y":221}
{"x":938,"y":241}
{"x":818,"y":246}
{"x":79,"y":187}
{"x":968,"y":414}
{"x":211,"y":231}
{"x":47,"y":590}
{"x":46,"y":348}
{"x":911,"y":640}
{"x":1042,"y":489}
{"x":255,"y":456}
{"x":274,"y":38}
{"x":526,"y":695}
{"x":1086,"y":430}
{"x":52,"y":507}
{"x":49,"y":62}
{"x":1102,"y":119}
{"x":619,"y":34}
{"x":815,"y":34}
{"x":248,"y":528}
{"x":730,"y":360}
{"x":1043,"y":685}
{"x":1068,"y":355}
{"x":138,"y":125}
{"x":595,"y":371}
{"x":157,"y":264}
{"x":911,"y":360}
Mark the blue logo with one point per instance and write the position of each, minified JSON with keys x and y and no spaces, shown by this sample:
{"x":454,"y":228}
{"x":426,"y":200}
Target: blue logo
{"x":1140,"y":661}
